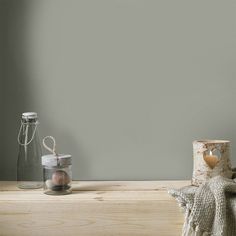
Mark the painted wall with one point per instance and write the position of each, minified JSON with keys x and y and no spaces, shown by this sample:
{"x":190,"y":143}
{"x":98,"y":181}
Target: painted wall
{"x":2,"y":65}
{"x":125,"y":86}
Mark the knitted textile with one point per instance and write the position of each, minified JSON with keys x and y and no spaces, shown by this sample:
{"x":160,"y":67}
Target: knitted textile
{"x":209,"y":209}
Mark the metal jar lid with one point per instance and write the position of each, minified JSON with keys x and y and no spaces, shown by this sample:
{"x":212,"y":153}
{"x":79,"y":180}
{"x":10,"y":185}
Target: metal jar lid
{"x":59,"y":160}
{"x":29,"y":115}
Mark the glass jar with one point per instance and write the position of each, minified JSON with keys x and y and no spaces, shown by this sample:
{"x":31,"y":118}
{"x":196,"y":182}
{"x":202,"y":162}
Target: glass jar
{"x":29,"y":169}
{"x":57,"y":174}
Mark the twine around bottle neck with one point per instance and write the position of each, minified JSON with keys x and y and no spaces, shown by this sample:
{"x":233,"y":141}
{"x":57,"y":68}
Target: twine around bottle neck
{"x":25,"y":132}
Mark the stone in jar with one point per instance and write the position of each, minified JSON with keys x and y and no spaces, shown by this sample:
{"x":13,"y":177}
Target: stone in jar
{"x":60,"y":177}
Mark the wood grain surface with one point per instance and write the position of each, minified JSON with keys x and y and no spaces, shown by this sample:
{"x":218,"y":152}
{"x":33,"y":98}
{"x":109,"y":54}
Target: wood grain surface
{"x":94,"y":208}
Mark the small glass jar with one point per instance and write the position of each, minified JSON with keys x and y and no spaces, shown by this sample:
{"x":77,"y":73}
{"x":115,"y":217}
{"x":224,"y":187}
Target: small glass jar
{"x":57,"y":174}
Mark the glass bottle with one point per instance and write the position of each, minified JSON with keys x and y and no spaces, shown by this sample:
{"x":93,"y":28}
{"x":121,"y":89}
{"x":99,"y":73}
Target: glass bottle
{"x":29,"y":169}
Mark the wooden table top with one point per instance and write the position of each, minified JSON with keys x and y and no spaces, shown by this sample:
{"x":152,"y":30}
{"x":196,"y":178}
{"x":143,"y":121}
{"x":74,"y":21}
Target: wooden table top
{"x":94,"y":208}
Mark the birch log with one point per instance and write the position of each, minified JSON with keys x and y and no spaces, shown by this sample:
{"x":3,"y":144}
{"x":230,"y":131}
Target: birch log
{"x":210,"y":158}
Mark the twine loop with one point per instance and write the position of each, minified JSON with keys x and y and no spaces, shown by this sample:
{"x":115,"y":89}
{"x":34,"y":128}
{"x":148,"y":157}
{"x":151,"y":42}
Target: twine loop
{"x":53,"y":149}
{"x":25,"y":128}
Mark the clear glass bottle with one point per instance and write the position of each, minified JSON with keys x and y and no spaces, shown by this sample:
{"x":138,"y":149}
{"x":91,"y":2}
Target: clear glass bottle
{"x":29,"y":168}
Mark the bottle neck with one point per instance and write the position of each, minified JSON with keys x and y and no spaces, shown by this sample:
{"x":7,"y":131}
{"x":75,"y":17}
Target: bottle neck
{"x":28,"y":131}
{"x":33,"y":121}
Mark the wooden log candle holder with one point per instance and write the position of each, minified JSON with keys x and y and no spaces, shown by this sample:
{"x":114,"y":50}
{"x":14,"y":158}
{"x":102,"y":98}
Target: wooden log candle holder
{"x":210,"y":158}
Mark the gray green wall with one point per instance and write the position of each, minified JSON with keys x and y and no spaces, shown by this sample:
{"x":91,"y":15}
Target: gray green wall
{"x":2,"y":65}
{"x":123,"y":85}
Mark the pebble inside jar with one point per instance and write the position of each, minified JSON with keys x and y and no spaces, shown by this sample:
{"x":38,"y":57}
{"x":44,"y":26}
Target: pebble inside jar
{"x":57,"y":172}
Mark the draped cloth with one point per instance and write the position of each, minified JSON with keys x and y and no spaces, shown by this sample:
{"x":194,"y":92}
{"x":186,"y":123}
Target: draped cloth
{"x":210,"y":209}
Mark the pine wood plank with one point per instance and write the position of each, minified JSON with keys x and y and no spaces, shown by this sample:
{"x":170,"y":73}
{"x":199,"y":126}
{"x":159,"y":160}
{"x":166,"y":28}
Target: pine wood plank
{"x":110,"y":185}
{"x":95,"y":208}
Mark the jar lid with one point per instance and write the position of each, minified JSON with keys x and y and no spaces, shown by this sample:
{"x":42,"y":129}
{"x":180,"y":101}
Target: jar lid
{"x":59,"y":160}
{"x":29,"y":115}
